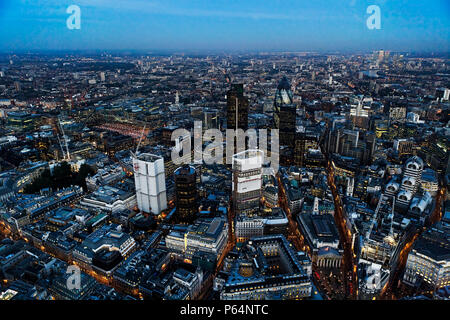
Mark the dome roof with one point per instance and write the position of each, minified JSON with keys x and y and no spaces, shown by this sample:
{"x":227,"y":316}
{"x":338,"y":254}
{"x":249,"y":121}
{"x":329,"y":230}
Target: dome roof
{"x":283,"y":96}
{"x":414,"y":163}
{"x":284,"y":84}
{"x":392,"y":186}
{"x":408,"y":181}
{"x":418,"y":205}
{"x":404,"y":195}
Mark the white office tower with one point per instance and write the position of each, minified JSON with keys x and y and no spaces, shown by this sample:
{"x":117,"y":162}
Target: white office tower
{"x":411,"y":180}
{"x":149,"y":178}
{"x":412,"y":174}
{"x":247,"y":181}
{"x":350,"y":186}
{"x":316,"y":206}
{"x":360,"y":110}
{"x":446,"y":95}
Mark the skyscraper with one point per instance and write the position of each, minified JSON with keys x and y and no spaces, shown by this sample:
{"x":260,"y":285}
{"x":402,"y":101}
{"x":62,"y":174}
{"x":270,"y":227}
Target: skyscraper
{"x":247,"y":181}
{"x":412,"y":174}
{"x":284,"y":114}
{"x":287,"y":120}
{"x":150,"y":183}
{"x":303,"y":143}
{"x":237,"y":108}
{"x":283,"y":97}
{"x":186,"y":193}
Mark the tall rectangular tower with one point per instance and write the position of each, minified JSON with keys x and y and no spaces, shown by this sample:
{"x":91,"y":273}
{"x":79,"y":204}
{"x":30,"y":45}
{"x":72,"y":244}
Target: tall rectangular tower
{"x":186,"y":193}
{"x":237,"y":108}
{"x":149,"y":178}
{"x":247,"y":181}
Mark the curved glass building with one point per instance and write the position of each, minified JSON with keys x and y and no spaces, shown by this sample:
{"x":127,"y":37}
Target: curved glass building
{"x":284,"y":113}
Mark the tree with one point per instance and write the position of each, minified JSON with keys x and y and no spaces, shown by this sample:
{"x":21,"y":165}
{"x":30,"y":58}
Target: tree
{"x":62,"y":177}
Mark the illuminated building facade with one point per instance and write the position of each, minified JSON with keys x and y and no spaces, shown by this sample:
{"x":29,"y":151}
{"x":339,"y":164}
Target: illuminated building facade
{"x":150,"y":183}
{"x":284,"y":116}
{"x":206,"y":235}
{"x":20,"y":120}
{"x":247,"y":181}
{"x":186,"y":193}
{"x":428,"y":264}
{"x":267,"y":268}
{"x":237,"y":108}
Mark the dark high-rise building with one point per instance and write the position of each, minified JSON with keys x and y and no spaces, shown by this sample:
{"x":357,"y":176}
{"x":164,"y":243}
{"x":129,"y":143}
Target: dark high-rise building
{"x":237,"y":108}
{"x":303,"y":143}
{"x":166,"y":135}
{"x":287,"y":125}
{"x":284,"y":114}
{"x":186,"y":193}
{"x":352,"y":143}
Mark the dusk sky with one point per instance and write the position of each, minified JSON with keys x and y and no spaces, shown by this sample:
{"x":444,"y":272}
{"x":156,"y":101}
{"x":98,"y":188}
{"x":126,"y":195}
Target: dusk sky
{"x":261,"y":25}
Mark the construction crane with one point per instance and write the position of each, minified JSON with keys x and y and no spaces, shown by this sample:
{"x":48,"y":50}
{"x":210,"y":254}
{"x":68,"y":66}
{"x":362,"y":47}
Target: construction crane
{"x":228,"y":75}
{"x":134,"y":155}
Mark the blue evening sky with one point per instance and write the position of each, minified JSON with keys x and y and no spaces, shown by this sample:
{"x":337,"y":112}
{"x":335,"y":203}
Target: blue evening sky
{"x":286,"y":25}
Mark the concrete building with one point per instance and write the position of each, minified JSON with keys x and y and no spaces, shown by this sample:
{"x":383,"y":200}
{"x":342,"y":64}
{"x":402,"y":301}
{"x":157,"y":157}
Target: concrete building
{"x":150,"y":183}
{"x":247,"y":181}
{"x":428,"y":265}
{"x":322,"y":238}
{"x":109,"y":199}
{"x":206,"y":235}
{"x":267,"y":268}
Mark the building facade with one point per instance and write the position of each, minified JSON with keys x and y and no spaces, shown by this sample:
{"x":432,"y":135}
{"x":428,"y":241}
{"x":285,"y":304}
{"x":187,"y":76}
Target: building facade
{"x":247,"y":181}
{"x":150,"y":183}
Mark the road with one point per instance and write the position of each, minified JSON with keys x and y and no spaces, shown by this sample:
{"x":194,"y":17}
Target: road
{"x":327,"y":281}
{"x":231,"y":238}
{"x":349,"y":263}
{"x":294,"y":234}
{"x":391,"y":289}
